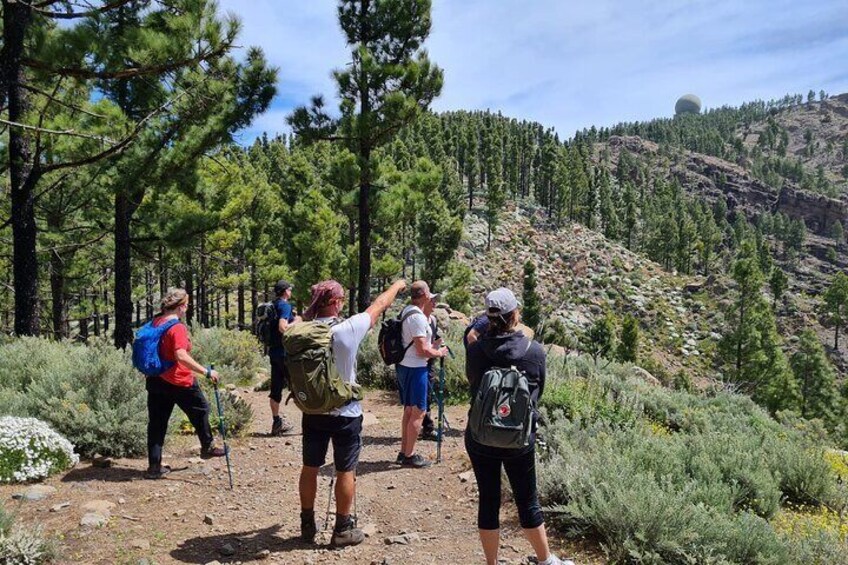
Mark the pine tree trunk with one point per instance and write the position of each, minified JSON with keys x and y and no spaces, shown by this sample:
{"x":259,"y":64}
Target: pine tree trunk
{"x":254,"y":296}
{"x":227,"y":308}
{"x":148,"y":290}
{"x":240,"y":294}
{"x":364,"y":286}
{"x":189,"y":288}
{"x":16,"y":19}
{"x":124,"y":210}
{"x":57,"y":290}
{"x":203,"y":291}
{"x":163,"y":271}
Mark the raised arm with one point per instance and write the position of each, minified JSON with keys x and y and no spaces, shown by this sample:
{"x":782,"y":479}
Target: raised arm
{"x":382,"y":302}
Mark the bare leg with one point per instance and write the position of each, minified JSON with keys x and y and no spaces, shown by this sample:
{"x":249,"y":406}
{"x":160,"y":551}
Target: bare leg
{"x":275,"y":407}
{"x":404,"y":422}
{"x":308,"y":487}
{"x":538,"y":538}
{"x":414,"y":420}
{"x":345,"y":489}
{"x":490,"y":540}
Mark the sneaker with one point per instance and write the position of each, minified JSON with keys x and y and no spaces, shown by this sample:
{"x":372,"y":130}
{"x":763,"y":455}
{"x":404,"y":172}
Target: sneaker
{"x":209,"y":452}
{"x":308,"y":529}
{"x":416,"y":462}
{"x":349,"y":536}
{"x":399,"y":459}
{"x":154,"y":473}
{"x":429,"y":435}
{"x":280,"y":426}
{"x":554,"y":560}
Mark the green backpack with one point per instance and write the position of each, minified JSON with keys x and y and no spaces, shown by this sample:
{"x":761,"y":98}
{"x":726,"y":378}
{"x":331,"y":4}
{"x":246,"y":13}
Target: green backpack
{"x":316,"y":386}
{"x":502,"y":410}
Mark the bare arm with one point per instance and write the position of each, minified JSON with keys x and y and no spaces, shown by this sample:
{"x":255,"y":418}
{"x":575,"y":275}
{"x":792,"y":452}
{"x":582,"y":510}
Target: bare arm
{"x":427,"y":350}
{"x":184,"y":358}
{"x":382,"y":302}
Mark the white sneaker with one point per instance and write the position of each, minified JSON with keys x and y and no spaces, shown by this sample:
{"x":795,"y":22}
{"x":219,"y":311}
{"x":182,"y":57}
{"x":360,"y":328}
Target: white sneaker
{"x":554,"y":560}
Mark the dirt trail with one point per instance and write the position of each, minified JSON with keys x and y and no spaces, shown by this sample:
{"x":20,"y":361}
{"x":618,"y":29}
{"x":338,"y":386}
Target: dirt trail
{"x":165,"y":521}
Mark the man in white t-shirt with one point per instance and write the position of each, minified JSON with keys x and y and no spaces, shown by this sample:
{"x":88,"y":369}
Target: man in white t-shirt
{"x":413,"y":373}
{"x":342,"y":426}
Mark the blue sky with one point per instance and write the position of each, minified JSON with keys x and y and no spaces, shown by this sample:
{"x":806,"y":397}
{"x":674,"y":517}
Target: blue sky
{"x":573,"y":64}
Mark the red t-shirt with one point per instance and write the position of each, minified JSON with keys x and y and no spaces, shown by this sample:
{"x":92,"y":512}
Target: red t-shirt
{"x":175,"y":338}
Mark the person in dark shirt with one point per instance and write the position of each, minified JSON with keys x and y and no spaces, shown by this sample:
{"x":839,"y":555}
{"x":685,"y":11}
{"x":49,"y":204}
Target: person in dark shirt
{"x":279,"y":376}
{"x":501,"y":344}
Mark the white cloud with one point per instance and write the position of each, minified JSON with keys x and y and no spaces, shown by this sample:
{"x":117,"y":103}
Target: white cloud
{"x":576,"y":64}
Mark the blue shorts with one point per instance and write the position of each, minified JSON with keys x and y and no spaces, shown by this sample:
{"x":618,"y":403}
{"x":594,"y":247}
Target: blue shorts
{"x":412,"y":386}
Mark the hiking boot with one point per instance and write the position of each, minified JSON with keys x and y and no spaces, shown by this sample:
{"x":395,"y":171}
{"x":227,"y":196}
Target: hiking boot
{"x":346,"y":537}
{"x":429,"y":435}
{"x":280,"y":426}
{"x":400,"y":458}
{"x":208,"y":452}
{"x":308,"y":528}
{"x":416,"y":462}
{"x":154,"y":473}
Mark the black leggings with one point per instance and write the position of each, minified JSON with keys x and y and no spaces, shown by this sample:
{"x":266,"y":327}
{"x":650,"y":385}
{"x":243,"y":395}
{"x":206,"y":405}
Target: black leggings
{"x":161,"y":398}
{"x":521,"y":472}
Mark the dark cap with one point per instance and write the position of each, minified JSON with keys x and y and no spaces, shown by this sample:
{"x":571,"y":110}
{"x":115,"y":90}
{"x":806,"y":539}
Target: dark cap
{"x":281,"y":287}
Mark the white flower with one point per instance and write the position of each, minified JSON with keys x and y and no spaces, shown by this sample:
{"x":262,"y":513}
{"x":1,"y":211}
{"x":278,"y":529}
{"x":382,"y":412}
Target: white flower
{"x":30,"y":449}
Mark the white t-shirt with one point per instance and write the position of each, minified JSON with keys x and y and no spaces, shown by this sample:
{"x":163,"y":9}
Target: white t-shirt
{"x":347,"y":336}
{"x":417,"y":325}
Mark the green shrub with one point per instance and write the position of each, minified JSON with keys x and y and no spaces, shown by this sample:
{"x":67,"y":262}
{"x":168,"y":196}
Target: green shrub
{"x":662,"y":476}
{"x":22,"y":546}
{"x":238,"y":415}
{"x":237,"y":356}
{"x":89,"y":394}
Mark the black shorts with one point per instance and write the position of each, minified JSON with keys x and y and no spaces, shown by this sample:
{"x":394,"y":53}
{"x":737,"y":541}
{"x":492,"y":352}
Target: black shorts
{"x":279,"y":378}
{"x":346,"y":434}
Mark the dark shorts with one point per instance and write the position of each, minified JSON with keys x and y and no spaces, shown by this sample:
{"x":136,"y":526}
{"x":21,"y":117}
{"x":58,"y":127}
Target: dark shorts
{"x":346,"y":434}
{"x":279,"y":378}
{"x":413,"y":383}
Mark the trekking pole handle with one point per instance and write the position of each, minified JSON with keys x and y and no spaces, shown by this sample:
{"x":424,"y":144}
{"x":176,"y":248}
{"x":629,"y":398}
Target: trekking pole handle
{"x":209,"y":370}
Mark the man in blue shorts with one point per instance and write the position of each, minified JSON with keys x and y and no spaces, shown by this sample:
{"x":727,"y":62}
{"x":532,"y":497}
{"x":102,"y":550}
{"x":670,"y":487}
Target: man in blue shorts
{"x":412,"y":371}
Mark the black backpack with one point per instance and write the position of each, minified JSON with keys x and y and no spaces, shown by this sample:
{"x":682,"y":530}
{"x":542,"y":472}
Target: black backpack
{"x":266,"y":319}
{"x":390,"y":339}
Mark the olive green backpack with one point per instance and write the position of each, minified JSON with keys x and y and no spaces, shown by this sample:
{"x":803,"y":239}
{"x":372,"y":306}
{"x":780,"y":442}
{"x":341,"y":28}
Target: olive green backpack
{"x":315,"y":384}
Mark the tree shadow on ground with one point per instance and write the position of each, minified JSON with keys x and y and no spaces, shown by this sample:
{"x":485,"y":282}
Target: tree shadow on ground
{"x":113,"y":474}
{"x":246,"y":545}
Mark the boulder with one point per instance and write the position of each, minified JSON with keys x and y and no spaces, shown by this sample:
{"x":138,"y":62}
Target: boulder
{"x":641,"y":373}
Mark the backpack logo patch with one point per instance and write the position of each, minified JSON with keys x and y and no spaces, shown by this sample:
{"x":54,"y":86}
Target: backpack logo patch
{"x":302,"y":396}
{"x":504,"y":410}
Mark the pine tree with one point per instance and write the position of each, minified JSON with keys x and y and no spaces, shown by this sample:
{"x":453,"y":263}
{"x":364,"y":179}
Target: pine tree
{"x":816,"y":378}
{"x":778,"y":283}
{"x":532,"y":313}
{"x":836,"y":304}
{"x":628,"y":345}
{"x":388,"y":83}
{"x":751,"y":349}
{"x":459,"y":287}
{"x":600,"y":337}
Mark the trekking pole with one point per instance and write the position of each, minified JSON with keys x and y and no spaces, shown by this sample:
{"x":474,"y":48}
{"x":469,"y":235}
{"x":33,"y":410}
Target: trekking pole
{"x":223,"y":430}
{"x":329,"y":500}
{"x":441,"y":406}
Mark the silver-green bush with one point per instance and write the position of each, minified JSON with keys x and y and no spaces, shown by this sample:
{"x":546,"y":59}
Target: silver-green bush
{"x":22,"y":546}
{"x":662,"y":476}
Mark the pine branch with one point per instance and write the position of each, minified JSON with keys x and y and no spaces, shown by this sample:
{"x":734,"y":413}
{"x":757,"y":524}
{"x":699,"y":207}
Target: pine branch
{"x":118,"y":147}
{"x":39,"y":9}
{"x":62,"y":103}
{"x":89,"y":74}
{"x":68,"y":132}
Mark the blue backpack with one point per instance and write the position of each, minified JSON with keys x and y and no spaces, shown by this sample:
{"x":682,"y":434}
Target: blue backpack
{"x":145,"y":349}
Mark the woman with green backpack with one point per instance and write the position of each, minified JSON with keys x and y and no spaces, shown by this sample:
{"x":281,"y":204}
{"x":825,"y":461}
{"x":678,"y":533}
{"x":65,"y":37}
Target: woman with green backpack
{"x":506,"y":373}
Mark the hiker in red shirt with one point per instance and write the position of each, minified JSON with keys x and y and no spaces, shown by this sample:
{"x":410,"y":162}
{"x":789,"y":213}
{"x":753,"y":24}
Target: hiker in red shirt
{"x":176,"y":385}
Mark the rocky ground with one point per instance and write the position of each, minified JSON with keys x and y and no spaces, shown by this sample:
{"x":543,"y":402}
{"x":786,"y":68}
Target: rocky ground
{"x":581,"y":275}
{"x":106,"y":513}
